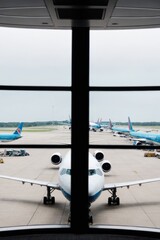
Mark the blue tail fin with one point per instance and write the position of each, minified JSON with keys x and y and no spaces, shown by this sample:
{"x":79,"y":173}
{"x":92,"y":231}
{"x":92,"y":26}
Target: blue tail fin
{"x":130,"y":125}
{"x":19,"y":129}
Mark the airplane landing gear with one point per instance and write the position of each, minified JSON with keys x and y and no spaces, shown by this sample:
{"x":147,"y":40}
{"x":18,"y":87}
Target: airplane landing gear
{"x":49,"y":199}
{"x":113,"y":200}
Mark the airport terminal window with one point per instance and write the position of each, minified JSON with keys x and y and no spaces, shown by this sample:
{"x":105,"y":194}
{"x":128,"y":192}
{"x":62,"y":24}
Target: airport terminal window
{"x":23,"y":204}
{"x":124,"y":91}
{"x":125,"y":57}
{"x":43,"y":111}
{"x":36,"y":90}
{"x":121,"y":154}
{"x":119,"y":106}
{"x":35,"y":57}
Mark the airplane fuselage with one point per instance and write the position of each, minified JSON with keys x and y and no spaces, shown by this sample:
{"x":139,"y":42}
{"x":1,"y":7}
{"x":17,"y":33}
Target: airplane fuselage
{"x":151,"y":137}
{"x":95,"y":178}
{"x":9,"y":137}
{"x":95,"y":126}
{"x":122,"y":130}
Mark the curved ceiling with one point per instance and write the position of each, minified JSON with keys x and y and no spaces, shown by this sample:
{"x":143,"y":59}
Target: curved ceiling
{"x":65,"y":14}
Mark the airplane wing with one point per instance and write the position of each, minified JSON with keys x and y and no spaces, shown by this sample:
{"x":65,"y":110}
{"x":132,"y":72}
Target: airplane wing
{"x":111,"y":186}
{"x":36,"y":182}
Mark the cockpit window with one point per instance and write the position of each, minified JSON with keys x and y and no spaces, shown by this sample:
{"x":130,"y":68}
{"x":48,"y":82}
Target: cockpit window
{"x":91,"y":172}
{"x":63,"y":171}
{"x":95,"y":171}
{"x":68,"y":171}
{"x":99,"y":172}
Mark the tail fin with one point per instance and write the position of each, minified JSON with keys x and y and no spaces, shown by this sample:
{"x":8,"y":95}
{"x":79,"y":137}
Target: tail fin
{"x":70,"y":119}
{"x":110,"y":124}
{"x":130,"y":125}
{"x":99,"y":121}
{"x":19,"y":129}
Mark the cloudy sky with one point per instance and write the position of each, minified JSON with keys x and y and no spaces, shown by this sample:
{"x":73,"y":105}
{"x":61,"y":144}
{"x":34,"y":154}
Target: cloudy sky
{"x":43,"y":57}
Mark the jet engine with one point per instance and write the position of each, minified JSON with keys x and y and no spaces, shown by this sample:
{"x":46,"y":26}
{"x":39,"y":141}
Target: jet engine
{"x":99,"y":155}
{"x":106,"y":166}
{"x":56,"y":158}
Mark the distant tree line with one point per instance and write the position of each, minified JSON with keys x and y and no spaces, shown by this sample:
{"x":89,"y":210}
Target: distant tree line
{"x":140,"y":123}
{"x":32,"y":124}
{"x":66,"y":122}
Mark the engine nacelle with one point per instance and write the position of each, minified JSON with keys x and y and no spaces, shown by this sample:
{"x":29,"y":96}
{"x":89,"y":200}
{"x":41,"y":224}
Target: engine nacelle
{"x":92,"y":129}
{"x":99,"y":155}
{"x":56,"y":158}
{"x":137,"y":143}
{"x":106,"y":166}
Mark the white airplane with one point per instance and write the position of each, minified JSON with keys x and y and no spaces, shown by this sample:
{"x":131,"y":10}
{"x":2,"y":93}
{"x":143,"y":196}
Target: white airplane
{"x":97,"y":167}
{"x":95,"y":126}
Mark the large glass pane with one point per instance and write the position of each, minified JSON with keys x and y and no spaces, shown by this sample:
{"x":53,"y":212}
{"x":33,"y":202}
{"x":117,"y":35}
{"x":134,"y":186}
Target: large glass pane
{"x":110,"y":111}
{"x":134,"y":205}
{"x":126,"y":118}
{"x":26,"y":204}
{"x":32,"y":57}
{"x":125,"y":57}
{"x":35,"y":57}
{"x":123,"y":201}
{"x":45,"y":116}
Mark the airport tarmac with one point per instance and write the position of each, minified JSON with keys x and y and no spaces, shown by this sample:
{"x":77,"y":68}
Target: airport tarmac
{"x":23,"y":204}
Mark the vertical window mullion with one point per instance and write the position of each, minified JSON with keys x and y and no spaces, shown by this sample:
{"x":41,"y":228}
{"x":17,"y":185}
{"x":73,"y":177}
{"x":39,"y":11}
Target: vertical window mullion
{"x":80,"y":129}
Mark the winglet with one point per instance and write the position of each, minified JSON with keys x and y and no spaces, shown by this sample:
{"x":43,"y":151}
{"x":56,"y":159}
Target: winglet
{"x":19,"y":129}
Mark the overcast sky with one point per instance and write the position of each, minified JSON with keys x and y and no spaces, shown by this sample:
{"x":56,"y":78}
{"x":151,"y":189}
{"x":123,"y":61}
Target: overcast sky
{"x":43,"y":57}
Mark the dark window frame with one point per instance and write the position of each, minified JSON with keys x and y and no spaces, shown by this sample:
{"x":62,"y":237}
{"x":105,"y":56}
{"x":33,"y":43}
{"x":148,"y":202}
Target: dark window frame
{"x":80,"y":135}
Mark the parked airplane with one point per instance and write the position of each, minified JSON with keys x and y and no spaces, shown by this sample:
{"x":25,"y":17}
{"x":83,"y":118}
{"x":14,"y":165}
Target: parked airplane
{"x":143,"y":137}
{"x":103,"y":124}
{"x":95,"y":126}
{"x":118,"y":130}
{"x":96,"y":181}
{"x":7,"y":137}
